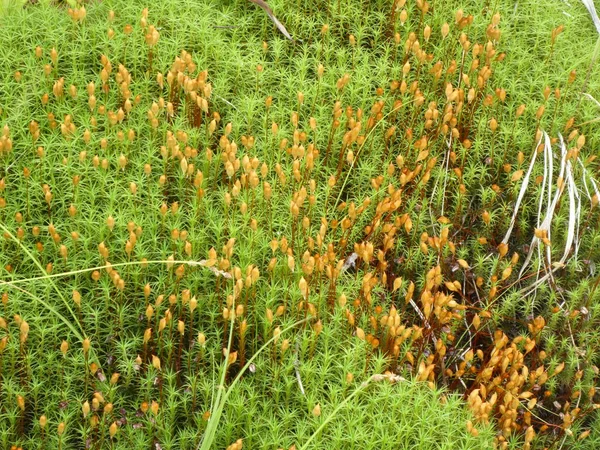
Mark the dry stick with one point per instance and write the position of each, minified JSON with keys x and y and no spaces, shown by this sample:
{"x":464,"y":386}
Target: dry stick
{"x":262,"y":4}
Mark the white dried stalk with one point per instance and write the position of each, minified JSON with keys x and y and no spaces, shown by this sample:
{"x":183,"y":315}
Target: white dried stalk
{"x":546,"y":223}
{"x":592,"y":181}
{"x":534,"y":241}
{"x":573,"y":210}
{"x":589,"y":4}
{"x":572,"y":238}
{"x":564,"y":168}
{"x":521,"y":195}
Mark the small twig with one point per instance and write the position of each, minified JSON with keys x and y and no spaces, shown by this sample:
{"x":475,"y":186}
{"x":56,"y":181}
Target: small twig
{"x":262,"y":4}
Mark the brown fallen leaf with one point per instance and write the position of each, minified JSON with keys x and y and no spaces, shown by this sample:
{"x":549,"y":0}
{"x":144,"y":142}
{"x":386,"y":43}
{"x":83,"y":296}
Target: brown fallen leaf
{"x":269,"y":12}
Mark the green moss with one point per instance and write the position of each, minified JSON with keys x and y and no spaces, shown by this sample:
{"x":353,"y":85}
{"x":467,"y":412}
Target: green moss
{"x":226,"y":38}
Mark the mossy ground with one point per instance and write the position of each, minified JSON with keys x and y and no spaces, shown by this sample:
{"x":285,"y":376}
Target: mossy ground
{"x":161,"y":208}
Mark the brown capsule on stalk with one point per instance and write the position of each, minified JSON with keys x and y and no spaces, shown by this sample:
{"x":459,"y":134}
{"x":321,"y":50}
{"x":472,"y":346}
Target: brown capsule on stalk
{"x":316,"y":410}
{"x":21,"y":402}
{"x":156,"y":362}
{"x":85,"y":409}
